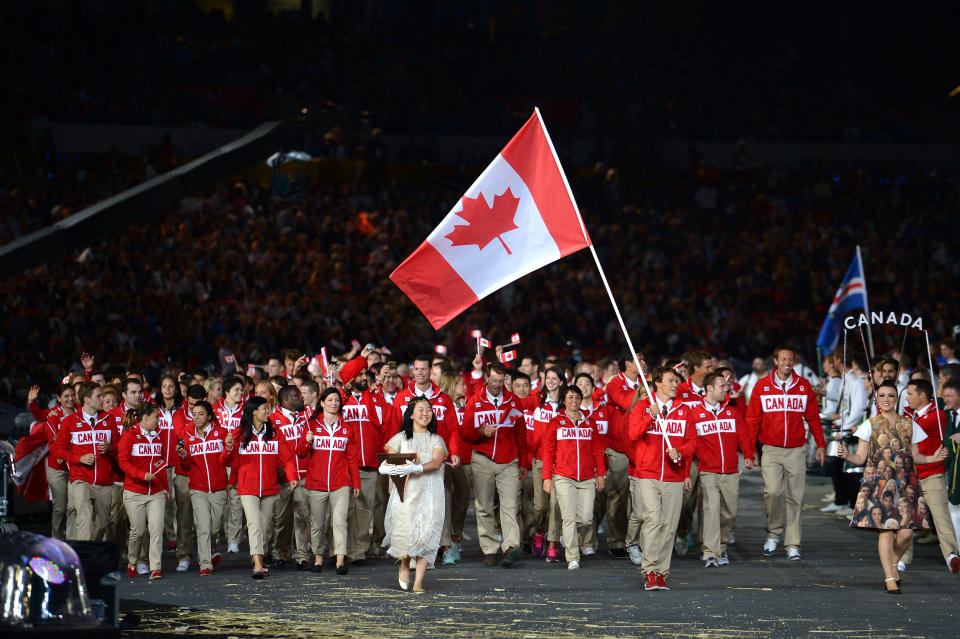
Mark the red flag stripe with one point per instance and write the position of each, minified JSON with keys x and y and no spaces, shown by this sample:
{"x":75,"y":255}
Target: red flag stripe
{"x":530,"y":155}
{"x":432,"y":284}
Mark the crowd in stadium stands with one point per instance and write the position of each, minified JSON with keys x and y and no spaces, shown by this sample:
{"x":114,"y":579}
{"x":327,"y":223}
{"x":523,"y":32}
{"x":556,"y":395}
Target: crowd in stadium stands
{"x":179,"y":66}
{"x":731,"y":262}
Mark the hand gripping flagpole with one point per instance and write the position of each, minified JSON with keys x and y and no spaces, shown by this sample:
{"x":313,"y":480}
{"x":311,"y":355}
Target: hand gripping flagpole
{"x":606,"y":285}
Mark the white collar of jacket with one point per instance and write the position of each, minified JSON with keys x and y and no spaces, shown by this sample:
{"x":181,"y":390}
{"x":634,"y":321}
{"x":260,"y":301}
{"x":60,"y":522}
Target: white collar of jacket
{"x":784,"y":385}
{"x":626,"y":380}
{"x":289,"y":414}
{"x":430,"y":393}
{"x":923,"y":411}
{"x":497,"y":401}
{"x":148,"y":434}
{"x":713,"y":408}
{"x":201,"y":434}
{"x":576,"y":422}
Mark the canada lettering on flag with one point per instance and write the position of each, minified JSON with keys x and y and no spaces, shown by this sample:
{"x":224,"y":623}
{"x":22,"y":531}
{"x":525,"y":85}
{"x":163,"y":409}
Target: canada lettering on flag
{"x":518,"y":216}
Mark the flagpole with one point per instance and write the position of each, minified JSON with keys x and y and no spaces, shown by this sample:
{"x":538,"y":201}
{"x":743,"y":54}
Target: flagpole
{"x":933,"y":382}
{"x":866,"y":303}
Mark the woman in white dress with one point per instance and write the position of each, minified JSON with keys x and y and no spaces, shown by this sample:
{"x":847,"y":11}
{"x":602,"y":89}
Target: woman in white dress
{"x":413,"y":526}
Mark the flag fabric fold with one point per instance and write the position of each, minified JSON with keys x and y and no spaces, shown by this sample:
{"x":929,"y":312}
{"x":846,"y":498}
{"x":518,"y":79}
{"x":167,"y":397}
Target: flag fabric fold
{"x":851,"y":295}
{"x":518,"y":216}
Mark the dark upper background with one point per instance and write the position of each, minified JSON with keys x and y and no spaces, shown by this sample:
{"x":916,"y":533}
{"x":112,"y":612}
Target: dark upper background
{"x":734,"y":258}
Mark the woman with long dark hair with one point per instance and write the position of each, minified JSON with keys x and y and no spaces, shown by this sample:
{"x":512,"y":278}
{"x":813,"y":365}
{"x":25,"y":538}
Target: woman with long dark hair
{"x":414,"y":525}
{"x":546,"y":512}
{"x":330,"y":446}
{"x":256,"y":453}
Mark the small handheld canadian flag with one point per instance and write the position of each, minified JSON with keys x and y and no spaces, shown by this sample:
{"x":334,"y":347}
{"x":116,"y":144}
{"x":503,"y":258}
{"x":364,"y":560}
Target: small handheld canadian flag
{"x":515,"y":338}
{"x":508,"y":356}
{"x":251,"y":369}
{"x":484,"y":342}
{"x":440,"y":349}
{"x":476,"y":333}
{"x":324,"y":362}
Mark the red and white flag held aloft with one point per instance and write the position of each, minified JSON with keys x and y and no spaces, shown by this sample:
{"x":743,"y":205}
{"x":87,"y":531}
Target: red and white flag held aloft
{"x":518,"y":216}
{"x":508,"y":356}
{"x":515,"y":338}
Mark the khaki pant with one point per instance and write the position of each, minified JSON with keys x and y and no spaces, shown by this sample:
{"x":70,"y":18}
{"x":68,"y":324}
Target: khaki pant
{"x":93,"y":510}
{"x":259,"y":514}
{"x":145,"y":512}
{"x":361,"y":516}
{"x":955,"y":516}
{"x":58,"y":480}
{"x":186,"y":533}
{"x":291,"y":523}
{"x":170,"y":510}
{"x":119,"y":527}
{"x":462,"y":479}
{"x":934,"y":489}
{"x":234,"y":516}
{"x":546,"y":513}
{"x":208,"y":519}
{"x":662,"y":501}
{"x":491,"y":481}
{"x":635,"y":518}
{"x":332,"y":507}
{"x":575,"y":499}
{"x":379,"y":512}
{"x":71,"y":512}
{"x":445,"y":535}
{"x":718,"y":500}
{"x":617,"y":496}
{"x":691,"y":506}
{"x":784,"y":471}
{"x":525,"y":518}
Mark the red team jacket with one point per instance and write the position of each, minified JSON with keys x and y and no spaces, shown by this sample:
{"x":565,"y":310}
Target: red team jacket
{"x":256,"y":464}
{"x":573,"y":449}
{"x":619,"y":393}
{"x":651,"y":460}
{"x":777,"y":410}
{"x":289,"y":427}
{"x":204,"y":461}
{"x":719,"y":437}
{"x":54,"y":418}
{"x":933,"y":422}
{"x":77,"y":438}
{"x":541,"y":416}
{"x":141,"y":453}
{"x":365,"y":417}
{"x":509,"y":441}
{"x":448,"y":426}
{"x":331,"y":459}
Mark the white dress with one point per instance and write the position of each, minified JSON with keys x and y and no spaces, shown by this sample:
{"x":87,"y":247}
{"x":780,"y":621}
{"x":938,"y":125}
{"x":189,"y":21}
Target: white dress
{"x":413,"y":526}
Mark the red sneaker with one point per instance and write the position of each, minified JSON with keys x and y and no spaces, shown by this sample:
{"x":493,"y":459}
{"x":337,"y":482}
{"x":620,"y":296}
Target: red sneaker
{"x":537,"y":546}
{"x":156,"y":574}
{"x":651,"y":582}
{"x":553,"y":555}
{"x":131,"y":571}
{"x":954,"y":562}
{"x":662,"y":583}
{"x":206,"y":572}
{"x":172,"y":544}
{"x":216,"y":559}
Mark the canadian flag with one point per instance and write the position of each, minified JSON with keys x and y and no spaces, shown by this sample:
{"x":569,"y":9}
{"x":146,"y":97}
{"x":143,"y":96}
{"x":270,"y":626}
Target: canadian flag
{"x":518,"y":216}
{"x":508,"y":356}
{"x":440,"y":349}
{"x":484,"y":342}
{"x":515,"y":338}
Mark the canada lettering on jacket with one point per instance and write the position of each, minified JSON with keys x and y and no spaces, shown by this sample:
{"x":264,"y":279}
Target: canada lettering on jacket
{"x":489,"y":418}
{"x":202,"y":448}
{"x":574,"y":433}
{"x":716,"y":426}
{"x":602,"y":426}
{"x":674,"y":427}
{"x":291,"y":431}
{"x":355,"y":413}
{"x":258,"y":448}
{"x":329,"y":443}
{"x":787,"y":403}
{"x":147,"y":450}
{"x":89,"y":437}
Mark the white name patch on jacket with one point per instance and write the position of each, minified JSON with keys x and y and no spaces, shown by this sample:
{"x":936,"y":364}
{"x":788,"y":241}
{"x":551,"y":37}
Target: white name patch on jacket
{"x":147,"y":450}
{"x":574,"y":433}
{"x":784,"y":403}
{"x":602,"y":426}
{"x":330,"y":443}
{"x":260,"y":448}
{"x":355,"y":413}
{"x":673,"y":427}
{"x":291,"y":431}
{"x":203,"y":448}
{"x":717,"y":426}
{"x":90,"y":437}
{"x":489,"y":418}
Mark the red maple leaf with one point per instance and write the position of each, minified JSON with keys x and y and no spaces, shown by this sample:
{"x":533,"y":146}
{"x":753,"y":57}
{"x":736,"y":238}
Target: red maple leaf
{"x":485,"y":223}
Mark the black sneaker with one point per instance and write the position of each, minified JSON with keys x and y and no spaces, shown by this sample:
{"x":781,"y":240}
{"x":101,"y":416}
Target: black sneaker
{"x":359,"y":562}
{"x":618,"y":553}
{"x":511,"y":557}
{"x":279,"y":563}
{"x":303,"y":566}
{"x":342,"y":570}
{"x":315,"y":568}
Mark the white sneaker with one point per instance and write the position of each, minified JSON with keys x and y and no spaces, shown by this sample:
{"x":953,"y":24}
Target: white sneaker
{"x":143,"y":569}
{"x":770,"y":546}
{"x":573,"y":565}
{"x":711,"y":562}
{"x":733,"y":539}
{"x":793,"y":554}
{"x":846,"y":511}
{"x":831,"y":508}
{"x":723,"y":559}
{"x":232,"y":548}
{"x":901,"y":567}
{"x":680,"y":545}
{"x":589,"y":550}
{"x":829,"y":497}
{"x":183,"y":566}
{"x":636,"y":557}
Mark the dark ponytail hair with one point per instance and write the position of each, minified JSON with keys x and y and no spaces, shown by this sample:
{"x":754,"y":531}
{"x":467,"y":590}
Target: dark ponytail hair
{"x":246,"y":421}
{"x":135,"y":415}
{"x":408,"y":417}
